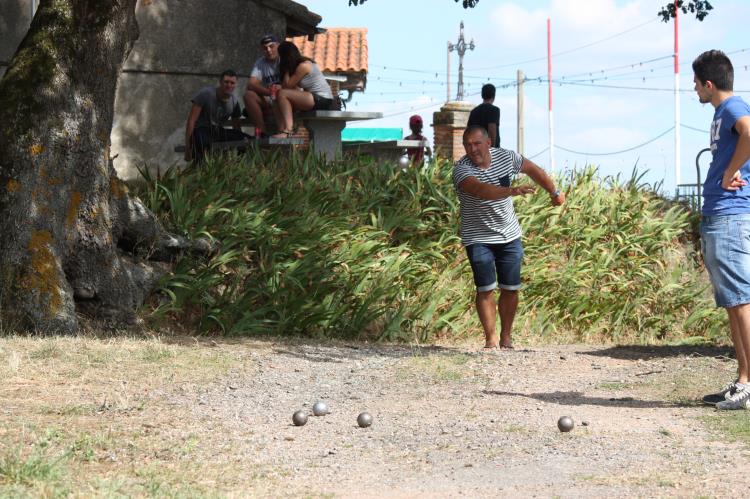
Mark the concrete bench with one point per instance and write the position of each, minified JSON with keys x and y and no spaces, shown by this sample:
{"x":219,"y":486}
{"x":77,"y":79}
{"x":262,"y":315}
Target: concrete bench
{"x":325,"y":128}
{"x":383,"y":149}
{"x":387,"y":147}
{"x":234,"y":144}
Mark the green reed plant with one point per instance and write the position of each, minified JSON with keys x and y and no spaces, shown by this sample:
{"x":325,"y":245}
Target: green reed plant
{"x":348,"y":249}
{"x":617,"y":262}
{"x":356,"y":248}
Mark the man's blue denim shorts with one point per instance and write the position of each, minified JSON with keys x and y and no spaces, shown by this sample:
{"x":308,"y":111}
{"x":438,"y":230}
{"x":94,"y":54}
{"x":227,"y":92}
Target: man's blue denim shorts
{"x":496,"y":263}
{"x":725,"y":242}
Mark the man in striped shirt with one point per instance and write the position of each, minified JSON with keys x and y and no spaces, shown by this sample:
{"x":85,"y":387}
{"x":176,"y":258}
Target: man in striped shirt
{"x":489,"y":228}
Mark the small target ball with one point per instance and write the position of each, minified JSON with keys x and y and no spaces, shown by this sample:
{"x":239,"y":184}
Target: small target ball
{"x":299,"y":418}
{"x":364,"y":420}
{"x":403,"y":162}
{"x":320,"y":408}
{"x":565,"y":423}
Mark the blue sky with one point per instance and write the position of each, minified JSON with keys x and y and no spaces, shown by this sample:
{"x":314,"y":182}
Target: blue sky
{"x":597,"y":45}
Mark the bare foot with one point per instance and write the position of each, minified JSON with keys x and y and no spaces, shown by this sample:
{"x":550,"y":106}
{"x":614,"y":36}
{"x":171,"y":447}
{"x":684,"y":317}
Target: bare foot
{"x":490,"y":342}
{"x":506,"y":343}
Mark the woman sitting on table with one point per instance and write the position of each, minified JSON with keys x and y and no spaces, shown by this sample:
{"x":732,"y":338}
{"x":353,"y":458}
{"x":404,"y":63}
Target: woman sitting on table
{"x":303,"y":87}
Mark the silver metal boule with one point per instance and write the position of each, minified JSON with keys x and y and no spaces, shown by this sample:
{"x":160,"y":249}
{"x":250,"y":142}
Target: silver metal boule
{"x":320,"y":408}
{"x":565,"y":423}
{"x":299,"y":418}
{"x":364,"y":419}
{"x":403,"y":162}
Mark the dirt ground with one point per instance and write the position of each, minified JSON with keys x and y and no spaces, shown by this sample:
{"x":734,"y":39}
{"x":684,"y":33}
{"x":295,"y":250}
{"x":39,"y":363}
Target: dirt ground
{"x":183,"y":417}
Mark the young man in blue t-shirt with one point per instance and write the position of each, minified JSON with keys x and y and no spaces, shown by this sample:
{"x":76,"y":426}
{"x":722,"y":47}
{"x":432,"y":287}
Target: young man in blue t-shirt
{"x":725,"y":224}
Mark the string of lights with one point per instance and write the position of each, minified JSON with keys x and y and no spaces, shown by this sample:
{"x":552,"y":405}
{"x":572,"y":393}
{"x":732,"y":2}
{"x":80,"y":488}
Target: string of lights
{"x":616,"y":152}
{"x":539,"y":153}
{"x":568,"y":51}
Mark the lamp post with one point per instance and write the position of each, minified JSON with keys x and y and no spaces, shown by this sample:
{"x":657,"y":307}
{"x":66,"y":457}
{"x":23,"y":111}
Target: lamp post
{"x":460,"y":47}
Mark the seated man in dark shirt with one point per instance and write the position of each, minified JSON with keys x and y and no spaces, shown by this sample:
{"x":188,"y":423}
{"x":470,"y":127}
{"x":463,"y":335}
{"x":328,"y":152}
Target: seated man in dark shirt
{"x":487,"y":115}
{"x":212,"y":107}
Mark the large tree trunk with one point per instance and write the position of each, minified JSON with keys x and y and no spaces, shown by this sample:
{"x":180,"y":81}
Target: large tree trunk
{"x":63,"y":211}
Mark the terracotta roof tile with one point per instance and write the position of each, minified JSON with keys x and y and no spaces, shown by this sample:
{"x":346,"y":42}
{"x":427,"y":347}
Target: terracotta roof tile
{"x":338,"y":50}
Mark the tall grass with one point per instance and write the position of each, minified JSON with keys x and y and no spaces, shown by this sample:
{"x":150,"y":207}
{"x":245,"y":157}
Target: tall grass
{"x":618,"y":262}
{"x":349,"y":249}
{"x":357,"y":249}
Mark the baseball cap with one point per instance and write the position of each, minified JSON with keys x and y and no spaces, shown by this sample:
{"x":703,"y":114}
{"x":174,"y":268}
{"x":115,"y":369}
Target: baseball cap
{"x":268,"y":38}
{"x":415,"y":119}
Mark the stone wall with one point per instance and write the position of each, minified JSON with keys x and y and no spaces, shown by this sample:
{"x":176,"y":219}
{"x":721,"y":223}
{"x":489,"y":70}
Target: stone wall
{"x":15,"y":18}
{"x":449,"y":124}
{"x":183,"y":46}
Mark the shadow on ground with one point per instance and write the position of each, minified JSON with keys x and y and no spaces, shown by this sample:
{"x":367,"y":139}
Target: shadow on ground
{"x":578,"y":398}
{"x":648,"y":352}
{"x":326,"y":350}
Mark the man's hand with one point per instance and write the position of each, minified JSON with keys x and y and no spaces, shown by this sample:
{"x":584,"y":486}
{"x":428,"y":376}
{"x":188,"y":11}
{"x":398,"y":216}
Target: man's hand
{"x":522,"y":190}
{"x":734,"y":182}
{"x":559,"y":199}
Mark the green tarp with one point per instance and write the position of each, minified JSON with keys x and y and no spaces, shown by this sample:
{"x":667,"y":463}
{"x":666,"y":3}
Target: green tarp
{"x":371,"y":134}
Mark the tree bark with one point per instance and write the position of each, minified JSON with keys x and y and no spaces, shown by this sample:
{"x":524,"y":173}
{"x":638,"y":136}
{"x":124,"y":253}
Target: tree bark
{"x":63,"y":211}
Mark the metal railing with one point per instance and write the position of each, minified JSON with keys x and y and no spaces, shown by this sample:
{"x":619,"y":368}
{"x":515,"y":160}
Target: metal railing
{"x":691,"y":193}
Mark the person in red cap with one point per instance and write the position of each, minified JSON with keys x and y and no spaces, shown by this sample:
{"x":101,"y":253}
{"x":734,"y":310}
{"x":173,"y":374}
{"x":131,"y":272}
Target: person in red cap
{"x":416,"y":154}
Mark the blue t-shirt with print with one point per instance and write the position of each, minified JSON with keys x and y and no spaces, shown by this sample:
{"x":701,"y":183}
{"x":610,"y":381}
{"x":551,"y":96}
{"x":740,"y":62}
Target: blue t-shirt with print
{"x":716,"y":200}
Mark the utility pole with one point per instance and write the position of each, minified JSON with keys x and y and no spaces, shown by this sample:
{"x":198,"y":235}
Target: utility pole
{"x":460,"y":47}
{"x":520,"y":79}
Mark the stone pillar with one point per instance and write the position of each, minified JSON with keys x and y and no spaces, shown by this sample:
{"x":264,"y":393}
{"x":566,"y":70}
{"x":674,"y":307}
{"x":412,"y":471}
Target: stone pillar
{"x":449,"y":124}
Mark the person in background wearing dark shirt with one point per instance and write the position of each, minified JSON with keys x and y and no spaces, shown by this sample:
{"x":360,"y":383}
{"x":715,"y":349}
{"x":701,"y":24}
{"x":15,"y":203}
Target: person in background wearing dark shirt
{"x":212,"y":108}
{"x":487,"y":115}
{"x":416,"y":154}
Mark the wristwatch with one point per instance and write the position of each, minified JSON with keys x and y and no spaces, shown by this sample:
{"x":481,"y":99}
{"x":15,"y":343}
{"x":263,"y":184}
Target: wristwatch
{"x":556,"y":193}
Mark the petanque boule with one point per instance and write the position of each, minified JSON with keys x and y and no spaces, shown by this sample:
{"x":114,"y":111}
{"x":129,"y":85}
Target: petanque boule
{"x":364,"y":419}
{"x":299,"y":418}
{"x":320,"y":408}
{"x":565,"y":424}
{"x":403,"y":162}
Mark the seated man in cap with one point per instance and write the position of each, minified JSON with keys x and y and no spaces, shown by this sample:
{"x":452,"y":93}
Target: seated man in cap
{"x":416,"y":154}
{"x":263,"y":84}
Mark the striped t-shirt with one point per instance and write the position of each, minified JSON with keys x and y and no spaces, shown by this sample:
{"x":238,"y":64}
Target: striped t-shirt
{"x":488,"y":221}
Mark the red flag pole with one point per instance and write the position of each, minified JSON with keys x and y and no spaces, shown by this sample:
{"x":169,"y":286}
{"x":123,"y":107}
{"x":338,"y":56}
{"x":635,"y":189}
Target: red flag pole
{"x":676,"y":96}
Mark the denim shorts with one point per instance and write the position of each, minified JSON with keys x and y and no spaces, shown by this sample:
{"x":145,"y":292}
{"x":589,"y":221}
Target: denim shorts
{"x":493,"y":263}
{"x":725,"y":242}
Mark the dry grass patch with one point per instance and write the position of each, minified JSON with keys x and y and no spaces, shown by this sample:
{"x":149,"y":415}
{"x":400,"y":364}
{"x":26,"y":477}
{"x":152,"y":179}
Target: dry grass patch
{"x":686,"y":383}
{"x":731,"y":425}
{"x":91,"y":416}
{"x":437,"y":367}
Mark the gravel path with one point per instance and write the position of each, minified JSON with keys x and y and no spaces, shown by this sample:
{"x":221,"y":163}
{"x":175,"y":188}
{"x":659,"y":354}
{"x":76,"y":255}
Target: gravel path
{"x":457,"y":422}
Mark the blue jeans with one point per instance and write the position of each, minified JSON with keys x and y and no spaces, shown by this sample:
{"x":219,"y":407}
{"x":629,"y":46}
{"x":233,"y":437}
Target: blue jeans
{"x":725,"y":243}
{"x":493,"y":263}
